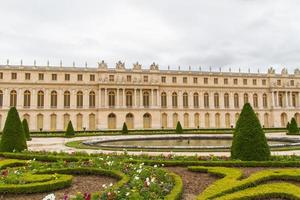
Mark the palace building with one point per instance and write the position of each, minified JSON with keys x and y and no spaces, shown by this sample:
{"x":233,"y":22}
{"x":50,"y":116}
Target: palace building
{"x":104,"y":98}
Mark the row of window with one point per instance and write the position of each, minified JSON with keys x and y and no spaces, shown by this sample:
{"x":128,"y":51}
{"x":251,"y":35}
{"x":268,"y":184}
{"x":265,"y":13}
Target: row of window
{"x":206,"y":80}
{"x":145,"y":99}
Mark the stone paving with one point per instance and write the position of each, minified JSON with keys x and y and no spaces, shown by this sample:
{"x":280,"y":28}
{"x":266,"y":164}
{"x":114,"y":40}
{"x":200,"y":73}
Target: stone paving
{"x":58,"y":144}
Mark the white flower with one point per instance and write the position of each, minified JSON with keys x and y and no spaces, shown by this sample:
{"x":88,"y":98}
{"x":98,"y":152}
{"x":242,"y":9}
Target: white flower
{"x":127,"y":193}
{"x":110,"y":184}
{"x":49,"y":197}
{"x":155,"y":166}
{"x":136,"y":178}
{"x":104,"y":186}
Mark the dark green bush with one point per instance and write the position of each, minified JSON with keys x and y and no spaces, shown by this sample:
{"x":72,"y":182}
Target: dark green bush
{"x":26,"y":129}
{"x":179,"y":128}
{"x":13,"y":136}
{"x":70,"y":130}
{"x":293,"y":127}
{"x":124,"y":129}
{"x":249,"y":141}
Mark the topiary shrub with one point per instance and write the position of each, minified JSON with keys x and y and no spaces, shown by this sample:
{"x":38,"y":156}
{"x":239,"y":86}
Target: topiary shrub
{"x":70,"y":130}
{"x":249,"y":141}
{"x":26,"y":129}
{"x":13,"y":136}
{"x":179,"y":128}
{"x":124,"y":129}
{"x":293,"y":127}
{"x":287,"y":126}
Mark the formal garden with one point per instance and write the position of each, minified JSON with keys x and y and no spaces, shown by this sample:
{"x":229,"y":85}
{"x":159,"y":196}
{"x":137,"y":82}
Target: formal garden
{"x":250,"y":171}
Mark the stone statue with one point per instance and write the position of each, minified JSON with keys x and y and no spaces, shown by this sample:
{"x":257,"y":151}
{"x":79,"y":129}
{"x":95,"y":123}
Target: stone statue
{"x":120,"y":65}
{"x":154,"y":66}
{"x":284,"y":71}
{"x":297,"y":71}
{"x":102,"y":65}
{"x":271,"y":70}
{"x":137,"y":66}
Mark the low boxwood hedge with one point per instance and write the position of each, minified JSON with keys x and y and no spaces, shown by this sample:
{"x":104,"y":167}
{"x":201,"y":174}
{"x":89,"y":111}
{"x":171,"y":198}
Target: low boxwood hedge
{"x":177,"y":190}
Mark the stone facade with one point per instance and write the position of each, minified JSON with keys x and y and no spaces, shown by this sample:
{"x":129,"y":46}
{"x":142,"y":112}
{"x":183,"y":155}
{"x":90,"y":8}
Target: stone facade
{"x":104,"y":98}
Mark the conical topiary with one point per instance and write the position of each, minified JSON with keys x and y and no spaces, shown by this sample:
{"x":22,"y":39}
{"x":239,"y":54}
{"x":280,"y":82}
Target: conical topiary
{"x":179,"y":128}
{"x":13,"y":136}
{"x":26,"y":129}
{"x":288,"y":126}
{"x":249,"y":141}
{"x":70,"y":130}
{"x":124,"y":129}
{"x":293,"y":127}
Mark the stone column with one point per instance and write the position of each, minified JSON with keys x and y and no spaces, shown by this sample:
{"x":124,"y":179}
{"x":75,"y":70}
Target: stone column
{"x":33,"y":99}
{"x":141,"y":98}
{"x":105,"y":98}
{"x":286,"y":99}
{"x":151,"y":99}
{"x":273,"y":99}
{"x":133,"y":98}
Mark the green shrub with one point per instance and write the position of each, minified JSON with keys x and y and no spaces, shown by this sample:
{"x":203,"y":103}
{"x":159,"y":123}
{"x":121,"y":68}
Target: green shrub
{"x":249,"y":141}
{"x":177,"y":190}
{"x":288,"y":126}
{"x":13,"y":136}
{"x":26,"y":129}
{"x":70,"y":130}
{"x":124,"y":129}
{"x":293,"y":127}
{"x":179,"y":128}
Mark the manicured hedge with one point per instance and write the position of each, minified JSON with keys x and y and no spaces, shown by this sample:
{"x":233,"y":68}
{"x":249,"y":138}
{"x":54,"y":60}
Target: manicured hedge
{"x":177,"y":190}
{"x":231,"y":179}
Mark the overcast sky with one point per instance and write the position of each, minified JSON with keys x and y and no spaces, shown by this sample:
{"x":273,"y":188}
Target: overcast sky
{"x":218,"y":33}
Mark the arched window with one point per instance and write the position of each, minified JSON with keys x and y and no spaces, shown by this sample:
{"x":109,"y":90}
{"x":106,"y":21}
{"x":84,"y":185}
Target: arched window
{"x":186,"y":120}
{"x":197,"y":120}
{"x":164,"y":120}
{"x":129,"y":121}
{"x":206,"y":100}
{"x":147,"y":120}
{"x":265,"y":101}
{"x":207,"y":120}
{"x":129,"y":98}
{"x":217,"y":120}
{"x":146,"y":99}
{"x":185,"y":100}
{"x":66,"y":120}
{"x":293,"y":99}
{"x":174,"y":100}
{"x":13,"y":98}
{"x":163,"y":100}
{"x":283,"y":117}
{"x":53,"y":122}
{"x":236,"y":117}
{"x":53,"y":99}
{"x":216,"y":100}
{"x":1,"y":99}
{"x":175,"y":119}
{"x":40,"y":99}
{"x":297,"y":118}
{"x":67,"y":99}
{"x":246,"y":99}
{"x":27,"y":97}
{"x":266,"y":120}
{"x":40,"y":122}
{"x":79,"y":118}
{"x":92,"y":121}
{"x":112,"y":121}
{"x":111,"y":99}
{"x":196,"y":100}
{"x":92,"y":99}
{"x":227,"y":120}
{"x":226,"y":100}
{"x":280,"y":98}
{"x":27,"y":117}
{"x":255,"y":101}
{"x":79,"y":99}
{"x":236,"y":101}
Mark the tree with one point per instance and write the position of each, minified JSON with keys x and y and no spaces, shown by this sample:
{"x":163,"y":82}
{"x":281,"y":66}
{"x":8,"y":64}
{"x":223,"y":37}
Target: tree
{"x":293,"y":127}
{"x":249,"y":141}
{"x":70,"y":130}
{"x":288,"y":125}
{"x":124,"y":129}
{"x":13,"y":136}
{"x":26,"y":129}
{"x":179,"y":128}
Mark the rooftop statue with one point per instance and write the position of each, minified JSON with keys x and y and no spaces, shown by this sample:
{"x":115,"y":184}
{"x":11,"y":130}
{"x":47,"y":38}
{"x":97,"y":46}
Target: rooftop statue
{"x":120,"y":65}
{"x":154,"y":66}
{"x":271,"y":70}
{"x":297,"y":71}
{"x":284,"y":71}
{"x":102,"y":65}
{"x":137,"y":66}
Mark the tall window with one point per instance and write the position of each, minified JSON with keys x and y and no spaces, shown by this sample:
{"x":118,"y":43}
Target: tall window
{"x":255,"y":101}
{"x":92,"y":99}
{"x":1,"y":99}
{"x":13,"y":98}
{"x":79,"y":99}
{"x":129,"y":99}
{"x":196,"y":100}
{"x":111,"y":99}
{"x":265,"y":101}
{"x":67,"y":99}
{"x":293,"y":100}
{"x":226,"y":100}
{"x":216,"y":100}
{"x":206,"y":100}
{"x":280,"y":98}
{"x":163,"y":100}
{"x":146,"y":99}
{"x":53,"y":99}
{"x":27,"y":99}
{"x":185,"y":100}
{"x":236,"y":100}
{"x":40,"y":99}
{"x":174,"y":100}
{"x":246,"y":99}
